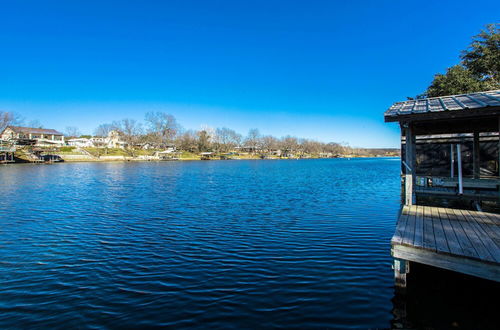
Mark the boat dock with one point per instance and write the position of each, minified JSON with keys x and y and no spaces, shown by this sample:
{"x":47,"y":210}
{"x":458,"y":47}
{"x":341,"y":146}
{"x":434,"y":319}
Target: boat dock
{"x":450,"y":170}
{"x":458,"y":240}
{"x":6,"y":152}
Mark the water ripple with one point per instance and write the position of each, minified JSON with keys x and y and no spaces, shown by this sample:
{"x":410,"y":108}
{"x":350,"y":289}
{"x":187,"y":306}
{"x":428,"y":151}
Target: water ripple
{"x":203,"y":244}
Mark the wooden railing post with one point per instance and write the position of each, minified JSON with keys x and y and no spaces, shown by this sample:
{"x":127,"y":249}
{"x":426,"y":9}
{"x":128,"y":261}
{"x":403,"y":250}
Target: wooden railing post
{"x":410,"y":153}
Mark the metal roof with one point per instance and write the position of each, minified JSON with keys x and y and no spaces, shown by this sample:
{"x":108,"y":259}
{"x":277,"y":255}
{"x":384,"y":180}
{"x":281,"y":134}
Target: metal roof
{"x":442,"y":104}
{"x":32,"y":130}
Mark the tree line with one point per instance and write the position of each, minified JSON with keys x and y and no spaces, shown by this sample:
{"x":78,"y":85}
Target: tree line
{"x":160,"y":130}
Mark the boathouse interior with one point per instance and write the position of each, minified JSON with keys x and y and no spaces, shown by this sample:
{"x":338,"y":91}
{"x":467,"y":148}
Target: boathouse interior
{"x":450,"y":177}
{"x":450,"y":150}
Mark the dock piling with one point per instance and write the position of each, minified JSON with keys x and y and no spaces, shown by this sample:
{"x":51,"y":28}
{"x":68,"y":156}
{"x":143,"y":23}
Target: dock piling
{"x":401,"y":268}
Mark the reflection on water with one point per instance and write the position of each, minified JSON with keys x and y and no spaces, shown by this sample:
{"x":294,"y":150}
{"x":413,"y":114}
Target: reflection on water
{"x":441,"y":299}
{"x":250,"y":244}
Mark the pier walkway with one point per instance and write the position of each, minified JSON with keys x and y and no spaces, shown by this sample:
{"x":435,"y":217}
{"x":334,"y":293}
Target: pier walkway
{"x":459,"y":240}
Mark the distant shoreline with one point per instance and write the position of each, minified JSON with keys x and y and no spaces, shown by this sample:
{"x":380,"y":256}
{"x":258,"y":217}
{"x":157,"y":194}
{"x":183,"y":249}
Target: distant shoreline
{"x":137,"y":160}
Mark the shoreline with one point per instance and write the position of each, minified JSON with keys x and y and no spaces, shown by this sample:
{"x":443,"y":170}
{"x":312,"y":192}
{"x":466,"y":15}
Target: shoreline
{"x":138,"y":160}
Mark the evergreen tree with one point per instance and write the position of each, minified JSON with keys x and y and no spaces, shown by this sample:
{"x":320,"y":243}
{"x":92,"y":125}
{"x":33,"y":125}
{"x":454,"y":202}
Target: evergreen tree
{"x":478,"y":71}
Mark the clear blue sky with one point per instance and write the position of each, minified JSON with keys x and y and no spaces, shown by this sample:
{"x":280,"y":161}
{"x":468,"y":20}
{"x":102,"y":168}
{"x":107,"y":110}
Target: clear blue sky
{"x":319,"y":69}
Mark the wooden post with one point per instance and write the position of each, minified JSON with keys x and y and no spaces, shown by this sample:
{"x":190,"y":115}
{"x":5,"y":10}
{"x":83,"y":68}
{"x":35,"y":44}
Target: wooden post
{"x":403,"y":170}
{"x":475,"y":156}
{"x":410,"y":149}
{"x":401,"y":268}
{"x":460,"y":177}
{"x":452,"y":156}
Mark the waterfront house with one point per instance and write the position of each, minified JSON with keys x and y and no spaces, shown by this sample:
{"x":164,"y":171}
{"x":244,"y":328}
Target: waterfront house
{"x":98,"y":141}
{"x":171,"y":147}
{"x":80,"y":143}
{"x":207,"y":155}
{"x":40,"y":136}
{"x":275,"y":152}
{"x":450,"y":169}
{"x":326,"y":155}
{"x":250,"y":149}
{"x":112,"y":140}
{"x":169,"y":154}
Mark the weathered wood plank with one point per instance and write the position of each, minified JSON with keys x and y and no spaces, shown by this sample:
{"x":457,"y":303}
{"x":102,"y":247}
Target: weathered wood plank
{"x":441,"y":244}
{"x":484,"y":219}
{"x":451,"y":238}
{"x":400,"y":227}
{"x":489,"y":244}
{"x":483,"y":216}
{"x":429,"y":240}
{"x":491,"y":229}
{"x":464,"y":242}
{"x":471,"y":233}
{"x":493,"y":219}
{"x":478,"y":268}
{"x":459,"y":240}
{"x":419,"y":227}
{"x":409,"y":232}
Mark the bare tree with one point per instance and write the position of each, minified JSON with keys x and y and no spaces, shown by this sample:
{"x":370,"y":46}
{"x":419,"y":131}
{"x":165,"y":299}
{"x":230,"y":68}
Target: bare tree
{"x":226,"y":139}
{"x":9,"y":119}
{"x":103,"y":130}
{"x":162,"y":125}
{"x":335,"y":148}
{"x":269,"y":143}
{"x":35,"y":123}
{"x":235,"y":139}
{"x":253,"y":139}
{"x":187,"y":141}
{"x":130,"y":130}
{"x":72,"y":131}
{"x":288,"y":145}
{"x":310,"y":146}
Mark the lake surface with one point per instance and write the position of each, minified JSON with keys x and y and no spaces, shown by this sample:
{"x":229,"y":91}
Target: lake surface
{"x":242,"y":244}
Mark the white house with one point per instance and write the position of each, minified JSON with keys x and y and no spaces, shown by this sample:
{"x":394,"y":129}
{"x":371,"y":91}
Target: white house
{"x":42,"y":137}
{"x":80,"y":142}
{"x":113,"y":140}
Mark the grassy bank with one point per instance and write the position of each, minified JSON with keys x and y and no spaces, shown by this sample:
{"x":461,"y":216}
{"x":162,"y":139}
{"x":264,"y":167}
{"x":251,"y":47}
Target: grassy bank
{"x":73,"y":154}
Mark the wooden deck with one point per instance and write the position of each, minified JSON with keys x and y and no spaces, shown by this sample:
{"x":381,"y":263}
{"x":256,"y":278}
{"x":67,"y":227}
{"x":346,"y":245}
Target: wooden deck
{"x":458,"y":240}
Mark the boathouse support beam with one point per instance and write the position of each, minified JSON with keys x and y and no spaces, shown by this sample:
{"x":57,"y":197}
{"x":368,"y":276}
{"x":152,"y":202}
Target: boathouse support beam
{"x":460,"y":174}
{"x":410,"y":163}
{"x":452,"y":156}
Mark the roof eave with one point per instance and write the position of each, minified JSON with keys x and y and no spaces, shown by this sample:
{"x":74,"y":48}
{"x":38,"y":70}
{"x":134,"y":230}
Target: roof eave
{"x":448,"y":114}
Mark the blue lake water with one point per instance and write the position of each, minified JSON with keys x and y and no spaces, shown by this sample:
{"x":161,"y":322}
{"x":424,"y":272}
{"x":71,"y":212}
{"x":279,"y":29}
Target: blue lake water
{"x":241,"y":244}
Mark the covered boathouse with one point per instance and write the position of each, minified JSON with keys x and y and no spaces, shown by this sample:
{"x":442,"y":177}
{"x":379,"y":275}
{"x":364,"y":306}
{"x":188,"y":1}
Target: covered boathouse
{"x":450,"y":156}
{"x":7,"y":151}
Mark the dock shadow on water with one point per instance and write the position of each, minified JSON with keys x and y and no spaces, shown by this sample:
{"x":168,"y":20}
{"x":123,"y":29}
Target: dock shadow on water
{"x":440,"y":299}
